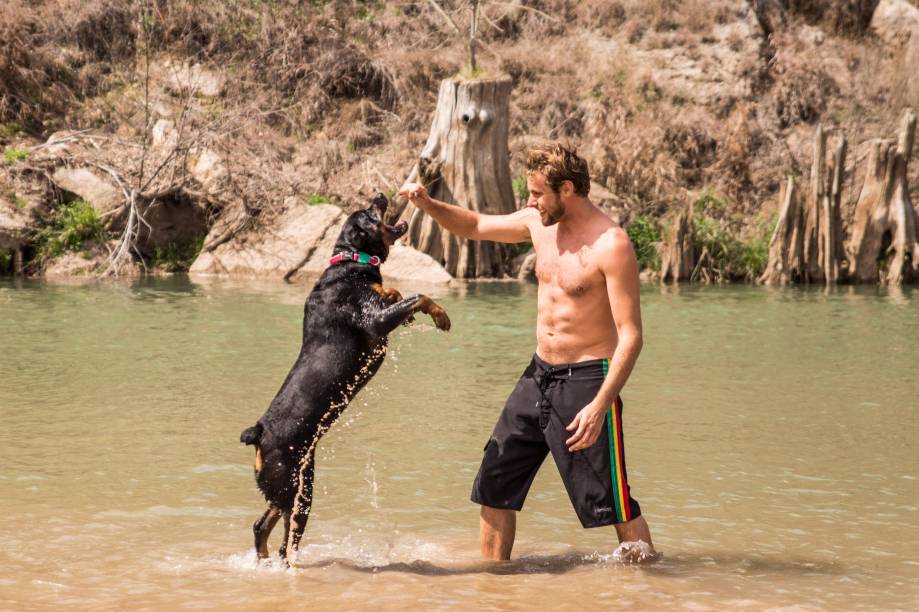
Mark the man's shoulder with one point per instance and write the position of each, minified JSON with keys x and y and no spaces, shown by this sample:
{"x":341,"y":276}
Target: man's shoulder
{"x":614,"y":247}
{"x":613,"y":238}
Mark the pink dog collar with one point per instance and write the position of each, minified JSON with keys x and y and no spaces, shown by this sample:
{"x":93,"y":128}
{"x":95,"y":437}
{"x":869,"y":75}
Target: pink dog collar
{"x":364,"y":258}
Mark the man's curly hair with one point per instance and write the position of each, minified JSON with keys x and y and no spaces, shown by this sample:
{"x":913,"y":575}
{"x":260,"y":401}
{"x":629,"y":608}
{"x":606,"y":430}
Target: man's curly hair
{"x":559,"y":163}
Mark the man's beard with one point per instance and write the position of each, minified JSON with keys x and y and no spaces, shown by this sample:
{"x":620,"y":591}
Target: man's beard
{"x":553,"y":217}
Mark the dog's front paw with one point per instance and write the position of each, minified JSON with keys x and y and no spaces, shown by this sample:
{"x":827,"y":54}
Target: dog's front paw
{"x":441,"y":320}
{"x":391,"y":296}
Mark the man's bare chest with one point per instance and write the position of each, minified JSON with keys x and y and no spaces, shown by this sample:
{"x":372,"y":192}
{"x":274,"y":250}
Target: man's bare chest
{"x":574,"y":272}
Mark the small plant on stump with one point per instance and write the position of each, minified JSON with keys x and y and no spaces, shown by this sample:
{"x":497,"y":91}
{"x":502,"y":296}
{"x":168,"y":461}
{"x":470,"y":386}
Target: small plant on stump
{"x":465,"y":162}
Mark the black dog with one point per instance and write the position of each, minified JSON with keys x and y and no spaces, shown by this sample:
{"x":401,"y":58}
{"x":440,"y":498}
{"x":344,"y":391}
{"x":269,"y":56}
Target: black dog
{"x":345,"y":324}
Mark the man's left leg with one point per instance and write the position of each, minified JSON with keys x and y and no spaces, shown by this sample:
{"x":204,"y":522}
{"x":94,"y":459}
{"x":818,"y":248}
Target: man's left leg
{"x":634,"y":531}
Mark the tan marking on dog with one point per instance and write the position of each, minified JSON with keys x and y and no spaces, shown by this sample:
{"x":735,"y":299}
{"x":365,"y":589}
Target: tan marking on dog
{"x":258,"y":459}
{"x":390,"y":296}
{"x":436,"y":312}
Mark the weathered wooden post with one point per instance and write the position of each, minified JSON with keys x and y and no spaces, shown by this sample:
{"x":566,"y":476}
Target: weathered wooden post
{"x":465,"y":162}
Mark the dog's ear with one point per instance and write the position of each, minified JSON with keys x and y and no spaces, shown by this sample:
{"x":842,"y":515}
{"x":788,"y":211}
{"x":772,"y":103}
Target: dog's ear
{"x":355,"y":235}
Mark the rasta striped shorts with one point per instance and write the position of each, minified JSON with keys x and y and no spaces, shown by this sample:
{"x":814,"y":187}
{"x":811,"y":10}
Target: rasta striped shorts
{"x":545,"y":401}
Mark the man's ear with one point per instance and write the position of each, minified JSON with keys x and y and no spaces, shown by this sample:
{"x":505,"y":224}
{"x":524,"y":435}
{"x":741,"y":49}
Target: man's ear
{"x":566,"y":189}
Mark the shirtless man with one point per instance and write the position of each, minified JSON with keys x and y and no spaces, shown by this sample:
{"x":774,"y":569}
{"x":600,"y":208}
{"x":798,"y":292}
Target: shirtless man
{"x":588,"y":335}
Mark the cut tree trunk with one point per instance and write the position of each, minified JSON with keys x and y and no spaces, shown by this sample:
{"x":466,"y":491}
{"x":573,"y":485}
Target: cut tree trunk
{"x":884,"y":230}
{"x":807,"y":242}
{"x":830,"y":198}
{"x":465,"y":162}
{"x":822,"y":222}
{"x":677,"y":259}
{"x":786,"y":249}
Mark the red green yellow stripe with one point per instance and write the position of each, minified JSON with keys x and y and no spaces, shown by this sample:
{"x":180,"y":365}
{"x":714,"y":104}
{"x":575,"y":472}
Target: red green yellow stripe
{"x":617,"y":458}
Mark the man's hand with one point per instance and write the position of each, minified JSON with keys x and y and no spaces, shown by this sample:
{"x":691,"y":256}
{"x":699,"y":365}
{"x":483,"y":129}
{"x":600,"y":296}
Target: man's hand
{"x":416,"y":194}
{"x":587,"y":425}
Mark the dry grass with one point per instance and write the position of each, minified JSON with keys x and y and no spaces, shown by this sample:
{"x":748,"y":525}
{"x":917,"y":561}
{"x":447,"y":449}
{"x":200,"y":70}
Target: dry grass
{"x":336,"y":97}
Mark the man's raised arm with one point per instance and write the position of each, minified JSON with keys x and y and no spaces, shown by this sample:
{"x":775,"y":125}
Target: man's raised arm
{"x":468,"y":223}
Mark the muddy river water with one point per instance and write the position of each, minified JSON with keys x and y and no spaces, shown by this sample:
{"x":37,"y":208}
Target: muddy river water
{"x":772,"y":438}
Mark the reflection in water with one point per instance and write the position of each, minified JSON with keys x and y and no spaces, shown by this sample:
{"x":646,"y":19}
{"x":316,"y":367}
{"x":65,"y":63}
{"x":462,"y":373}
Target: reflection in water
{"x":770,"y":436}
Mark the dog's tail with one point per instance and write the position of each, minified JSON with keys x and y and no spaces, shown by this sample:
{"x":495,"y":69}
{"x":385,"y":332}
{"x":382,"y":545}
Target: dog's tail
{"x":251,"y":435}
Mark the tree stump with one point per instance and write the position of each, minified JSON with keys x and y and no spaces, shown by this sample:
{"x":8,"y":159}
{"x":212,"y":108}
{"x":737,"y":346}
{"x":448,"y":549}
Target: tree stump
{"x":17,"y":262}
{"x":677,"y":259}
{"x":885,"y":223}
{"x":823,"y":225}
{"x":807,"y":242}
{"x":465,"y":162}
{"x":786,"y":248}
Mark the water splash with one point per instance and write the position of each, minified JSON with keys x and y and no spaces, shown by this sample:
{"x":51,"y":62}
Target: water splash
{"x":370,"y":477}
{"x":635,"y":552}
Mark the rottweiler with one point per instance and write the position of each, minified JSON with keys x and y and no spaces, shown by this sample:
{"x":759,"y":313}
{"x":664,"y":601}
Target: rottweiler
{"x":346,"y":320}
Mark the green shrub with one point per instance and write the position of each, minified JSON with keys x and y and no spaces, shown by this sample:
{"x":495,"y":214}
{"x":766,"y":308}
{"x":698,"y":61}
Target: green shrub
{"x":10,"y":129}
{"x":728,"y":257}
{"x":521,"y":191}
{"x":6,"y":262}
{"x":755,"y":253}
{"x":712,"y":239}
{"x":12,"y":154}
{"x":709,"y":203}
{"x":177,"y":257}
{"x":75,"y":223}
{"x":317,"y":198}
{"x":645,"y":234}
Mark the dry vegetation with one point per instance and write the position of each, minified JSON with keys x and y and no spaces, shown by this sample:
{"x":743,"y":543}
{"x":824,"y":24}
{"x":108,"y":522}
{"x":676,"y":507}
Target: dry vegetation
{"x":671,"y":100}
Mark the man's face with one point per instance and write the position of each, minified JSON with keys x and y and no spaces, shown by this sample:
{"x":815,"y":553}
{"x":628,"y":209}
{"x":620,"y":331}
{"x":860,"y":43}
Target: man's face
{"x":542,"y":198}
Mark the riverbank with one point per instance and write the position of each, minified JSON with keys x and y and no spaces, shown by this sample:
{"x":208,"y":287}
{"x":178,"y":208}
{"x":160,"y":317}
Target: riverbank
{"x":227,"y":125}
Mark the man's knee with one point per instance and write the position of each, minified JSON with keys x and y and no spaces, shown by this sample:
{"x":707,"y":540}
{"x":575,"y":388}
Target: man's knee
{"x":496,"y":514}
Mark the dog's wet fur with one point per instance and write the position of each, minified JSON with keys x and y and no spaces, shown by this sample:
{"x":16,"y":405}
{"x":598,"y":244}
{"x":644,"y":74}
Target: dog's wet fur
{"x":346,"y":320}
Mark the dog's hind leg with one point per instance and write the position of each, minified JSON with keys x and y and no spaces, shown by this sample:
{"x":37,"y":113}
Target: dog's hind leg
{"x":261,"y":529}
{"x":303,"y":502}
{"x":283,"y":550}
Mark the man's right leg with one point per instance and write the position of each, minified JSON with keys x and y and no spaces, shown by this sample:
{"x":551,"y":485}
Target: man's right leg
{"x":497,"y":528}
{"x":510,"y":461}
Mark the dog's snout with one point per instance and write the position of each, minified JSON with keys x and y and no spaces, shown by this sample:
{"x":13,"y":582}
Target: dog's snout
{"x":381,"y":201}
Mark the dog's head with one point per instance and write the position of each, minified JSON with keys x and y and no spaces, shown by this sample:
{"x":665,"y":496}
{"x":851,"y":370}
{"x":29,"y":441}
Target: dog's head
{"x":366,"y":231}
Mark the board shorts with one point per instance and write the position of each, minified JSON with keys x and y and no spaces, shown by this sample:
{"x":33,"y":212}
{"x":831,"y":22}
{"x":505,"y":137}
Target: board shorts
{"x":546,"y":399}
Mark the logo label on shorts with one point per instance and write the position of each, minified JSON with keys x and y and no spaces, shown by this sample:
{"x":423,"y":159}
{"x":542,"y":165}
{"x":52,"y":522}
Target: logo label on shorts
{"x":603,"y":509}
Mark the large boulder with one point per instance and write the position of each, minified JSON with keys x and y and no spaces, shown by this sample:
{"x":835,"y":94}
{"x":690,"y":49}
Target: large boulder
{"x":14,"y":226}
{"x":896,"y":22}
{"x":275,"y":251}
{"x":403,"y":263}
{"x":102,"y":193}
{"x":407,"y":264}
{"x":194,"y":79}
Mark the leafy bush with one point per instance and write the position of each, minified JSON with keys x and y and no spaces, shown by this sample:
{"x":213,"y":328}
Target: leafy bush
{"x":75,"y":224}
{"x":177,"y":257}
{"x":521,"y":191}
{"x":10,"y":129}
{"x":755,"y":254}
{"x":726,"y":255}
{"x":13,"y":155}
{"x":645,"y":234}
{"x":317,"y":198}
